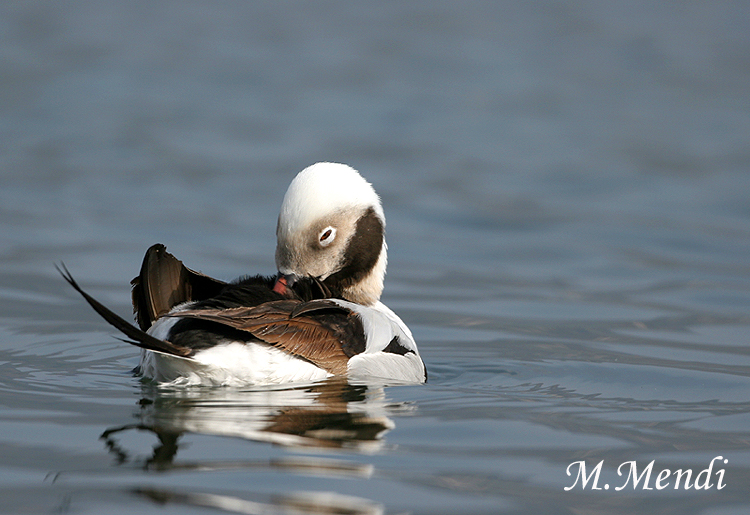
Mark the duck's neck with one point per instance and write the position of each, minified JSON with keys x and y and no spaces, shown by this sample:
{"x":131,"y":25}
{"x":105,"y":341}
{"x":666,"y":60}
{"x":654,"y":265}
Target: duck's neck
{"x":367,"y":291}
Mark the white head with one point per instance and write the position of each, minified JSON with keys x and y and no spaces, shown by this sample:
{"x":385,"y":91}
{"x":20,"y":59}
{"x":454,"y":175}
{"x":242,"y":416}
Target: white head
{"x":331,"y":227}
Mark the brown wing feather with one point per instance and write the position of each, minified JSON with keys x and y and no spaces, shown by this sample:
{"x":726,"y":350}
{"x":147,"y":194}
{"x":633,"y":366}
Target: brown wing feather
{"x":165,"y":282}
{"x":315,"y":330}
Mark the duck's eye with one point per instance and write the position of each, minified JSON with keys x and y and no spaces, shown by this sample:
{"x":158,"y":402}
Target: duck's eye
{"x":327,"y":235}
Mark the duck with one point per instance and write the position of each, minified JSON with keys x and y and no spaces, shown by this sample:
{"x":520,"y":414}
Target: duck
{"x":319,"y":317}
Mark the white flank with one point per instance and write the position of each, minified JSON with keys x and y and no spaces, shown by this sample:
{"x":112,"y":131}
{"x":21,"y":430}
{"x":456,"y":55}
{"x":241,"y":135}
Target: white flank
{"x":385,"y":365}
{"x":230,"y":364}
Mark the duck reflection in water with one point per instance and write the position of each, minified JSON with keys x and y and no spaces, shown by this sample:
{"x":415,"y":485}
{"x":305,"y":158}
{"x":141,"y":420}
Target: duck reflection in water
{"x":329,"y":414}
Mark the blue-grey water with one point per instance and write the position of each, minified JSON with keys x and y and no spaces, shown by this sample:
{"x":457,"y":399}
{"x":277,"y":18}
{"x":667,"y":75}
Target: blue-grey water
{"x":567,"y":188}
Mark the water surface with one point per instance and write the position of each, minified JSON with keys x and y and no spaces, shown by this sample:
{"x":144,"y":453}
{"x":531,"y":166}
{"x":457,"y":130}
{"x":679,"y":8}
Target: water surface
{"x":566,"y":186}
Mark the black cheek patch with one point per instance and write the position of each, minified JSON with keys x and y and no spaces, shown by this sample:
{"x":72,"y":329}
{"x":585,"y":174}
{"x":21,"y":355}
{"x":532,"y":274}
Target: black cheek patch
{"x":362,"y":253}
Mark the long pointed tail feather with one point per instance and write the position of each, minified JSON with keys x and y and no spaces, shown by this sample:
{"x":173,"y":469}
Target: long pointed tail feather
{"x":137,"y":336}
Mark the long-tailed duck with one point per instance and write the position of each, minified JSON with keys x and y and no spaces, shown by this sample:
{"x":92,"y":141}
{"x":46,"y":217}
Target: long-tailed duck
{"x":319,"y":317}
